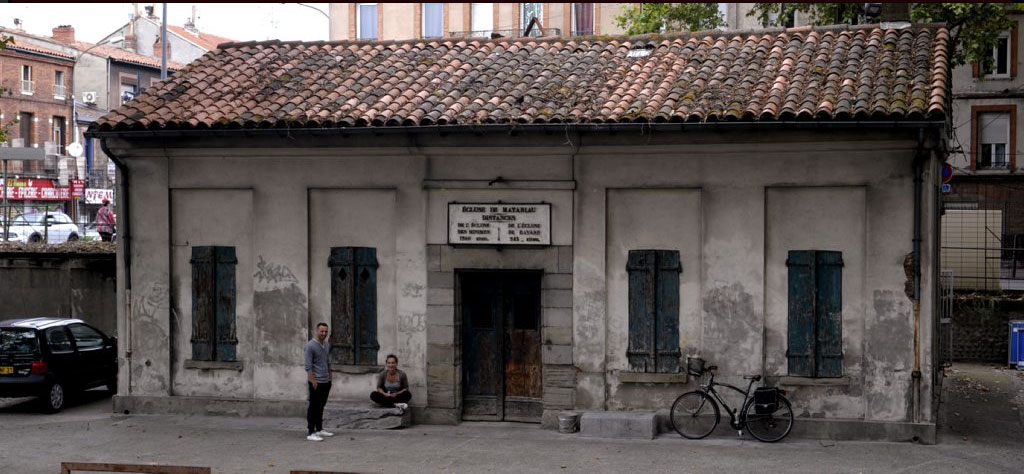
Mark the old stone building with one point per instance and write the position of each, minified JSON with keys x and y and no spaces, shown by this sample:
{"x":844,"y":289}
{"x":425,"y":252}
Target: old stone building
{"x":533,"y":226}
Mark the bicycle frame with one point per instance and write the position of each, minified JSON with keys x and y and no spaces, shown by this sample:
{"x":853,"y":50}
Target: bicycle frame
{"x":735,"y":420}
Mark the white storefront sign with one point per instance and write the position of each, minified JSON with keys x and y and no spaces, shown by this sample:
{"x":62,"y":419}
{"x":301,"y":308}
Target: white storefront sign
{"x":97,"y":195}
{"x":499,"y":223}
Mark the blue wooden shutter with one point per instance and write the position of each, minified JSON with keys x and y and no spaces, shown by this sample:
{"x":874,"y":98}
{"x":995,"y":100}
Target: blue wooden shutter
{"x":203,"y":320}
{"x":667,"y":311}
{"x":829,"y":314}
{"x":801,"y":313}
{"x":353,"y":305}
{"x":366,"y":306}
{"x":225,"y":303}
{"x":641,"y":268}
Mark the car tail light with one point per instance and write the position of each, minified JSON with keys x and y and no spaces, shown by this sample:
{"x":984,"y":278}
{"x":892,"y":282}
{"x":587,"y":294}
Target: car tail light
{"x":39,"y":367}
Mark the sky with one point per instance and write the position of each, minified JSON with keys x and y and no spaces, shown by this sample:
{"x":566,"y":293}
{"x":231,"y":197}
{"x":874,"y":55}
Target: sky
{"x":236,"y":21}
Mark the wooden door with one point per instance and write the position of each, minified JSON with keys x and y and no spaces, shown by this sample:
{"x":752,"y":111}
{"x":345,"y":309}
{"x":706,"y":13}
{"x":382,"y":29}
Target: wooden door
{"x":501,"y":345}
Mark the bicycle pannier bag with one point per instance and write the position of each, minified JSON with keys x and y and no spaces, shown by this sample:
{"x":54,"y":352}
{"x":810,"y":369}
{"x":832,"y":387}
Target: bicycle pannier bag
{"x":766,"y":400}
{"x":695,"y":366}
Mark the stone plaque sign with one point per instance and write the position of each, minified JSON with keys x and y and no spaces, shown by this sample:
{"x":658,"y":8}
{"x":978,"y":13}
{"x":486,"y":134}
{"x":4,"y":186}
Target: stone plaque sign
{"x":499,"y":223}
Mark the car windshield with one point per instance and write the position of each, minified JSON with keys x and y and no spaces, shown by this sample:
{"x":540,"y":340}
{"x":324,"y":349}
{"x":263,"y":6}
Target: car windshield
{"x":18,"y":341}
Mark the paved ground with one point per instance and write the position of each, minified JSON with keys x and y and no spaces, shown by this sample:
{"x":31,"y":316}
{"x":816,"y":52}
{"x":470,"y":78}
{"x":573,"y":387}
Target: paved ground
{"x":982,"y":434}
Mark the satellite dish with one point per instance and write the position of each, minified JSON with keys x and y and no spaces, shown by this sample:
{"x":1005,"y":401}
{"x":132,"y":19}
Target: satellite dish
{"x":75,"y":149}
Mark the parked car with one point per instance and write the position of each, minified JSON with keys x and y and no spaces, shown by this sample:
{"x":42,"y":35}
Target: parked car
{"x":30,"y":228}
{"x":52,"y":357}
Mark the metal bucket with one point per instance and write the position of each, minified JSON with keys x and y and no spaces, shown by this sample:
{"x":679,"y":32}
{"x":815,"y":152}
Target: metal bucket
{"x":568,"y":422}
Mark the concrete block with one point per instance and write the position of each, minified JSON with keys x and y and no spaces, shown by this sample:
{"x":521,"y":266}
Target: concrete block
{"x":440,"y":296}
{"x":556,"y":298}
{"x":436,"y":416}
{"x":559,"y":398}
{"x":556,"y":281}
{"x":443,"y":397}
{"x":558,"y":336}
{"x":440,"y":279}
{"x":434,"y":258}
{"x":440,"y":372}
{"x":443,"y":354}
{"x":561,"y":376}
{"x":621,"y":425}
{"x":364,"y":416}
{"x":565,"y":259}
{"x":552,"y":354}
{"x":441,"y":315}
{"x":441,"y":335}
{"x":557,"y":317}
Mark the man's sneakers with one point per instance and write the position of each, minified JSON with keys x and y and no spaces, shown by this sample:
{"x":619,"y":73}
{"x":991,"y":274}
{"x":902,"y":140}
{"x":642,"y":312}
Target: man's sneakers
{"x":325,"y":433}
{"x":314,"y":437}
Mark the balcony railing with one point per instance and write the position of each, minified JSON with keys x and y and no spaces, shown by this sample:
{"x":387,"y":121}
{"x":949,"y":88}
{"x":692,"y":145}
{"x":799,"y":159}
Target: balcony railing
{"x":58,"y":91}
{"x":508,"y":33}
{"x":27,"y":87}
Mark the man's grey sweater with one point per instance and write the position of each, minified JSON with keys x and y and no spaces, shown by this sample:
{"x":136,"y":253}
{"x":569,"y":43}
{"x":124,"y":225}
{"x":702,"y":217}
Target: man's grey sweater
{"x":318,"y":359}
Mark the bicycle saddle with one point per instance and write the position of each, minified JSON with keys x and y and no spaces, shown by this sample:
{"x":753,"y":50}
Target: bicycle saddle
{"x":755,"y":378}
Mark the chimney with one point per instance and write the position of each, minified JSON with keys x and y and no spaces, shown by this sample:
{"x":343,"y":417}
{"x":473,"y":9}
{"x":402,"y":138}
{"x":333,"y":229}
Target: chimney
{"x":131,"y":43}
{"x":895,"y":12}
{"x":158,"y":47}
{"x":64,"y":34}
{"x":18,"y":25}
{"x":149,"y":12}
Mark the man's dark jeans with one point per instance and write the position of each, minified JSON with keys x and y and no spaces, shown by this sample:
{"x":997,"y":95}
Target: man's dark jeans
{"x":317,"y":401}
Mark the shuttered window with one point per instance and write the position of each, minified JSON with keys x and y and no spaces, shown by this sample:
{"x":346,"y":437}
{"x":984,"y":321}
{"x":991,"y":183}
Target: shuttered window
{"x":213,"y":303}
{"x":815,"y":313}
{"x":653,"y":310}
{"x":353,"y":305}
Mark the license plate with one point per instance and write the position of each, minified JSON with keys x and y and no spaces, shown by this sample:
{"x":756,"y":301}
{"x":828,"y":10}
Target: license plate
{"x":6,"y":370}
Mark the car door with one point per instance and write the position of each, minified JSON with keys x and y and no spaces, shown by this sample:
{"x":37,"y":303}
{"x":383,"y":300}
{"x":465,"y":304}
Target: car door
{"x":93,"y":353}
{"x":62,"y":361}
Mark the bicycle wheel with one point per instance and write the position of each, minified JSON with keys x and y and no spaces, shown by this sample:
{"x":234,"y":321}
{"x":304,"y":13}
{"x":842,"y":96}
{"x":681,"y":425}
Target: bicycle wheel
{"x":694,"y":415}
{"x":769,"y":427}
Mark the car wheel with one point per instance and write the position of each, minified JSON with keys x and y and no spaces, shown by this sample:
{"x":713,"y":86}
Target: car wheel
{"x":72,"y":237}
{"x":35,"y":238}
{"x":53,"y":399}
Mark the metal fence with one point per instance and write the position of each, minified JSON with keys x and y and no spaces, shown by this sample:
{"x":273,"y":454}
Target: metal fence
{"x":983,"y":234}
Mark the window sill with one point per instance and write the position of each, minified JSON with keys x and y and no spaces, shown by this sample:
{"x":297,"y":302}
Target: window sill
{"x":357,"y":369}
{"x":647,"y":377}
{"x":213,"y":365}
{"x":812,"y":381}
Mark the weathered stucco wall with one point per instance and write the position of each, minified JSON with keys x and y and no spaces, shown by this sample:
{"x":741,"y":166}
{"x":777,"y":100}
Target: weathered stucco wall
{"x":733,"y":204}
{"x":62,"y":285}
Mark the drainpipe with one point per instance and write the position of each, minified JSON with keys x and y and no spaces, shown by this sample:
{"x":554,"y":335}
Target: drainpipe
{"x":124,"y":235}
{"x":919,"y":159}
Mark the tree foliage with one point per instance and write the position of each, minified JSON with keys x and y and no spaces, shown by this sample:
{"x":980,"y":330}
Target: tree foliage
{"x":662,"y":17}
{"x":974,"y":27}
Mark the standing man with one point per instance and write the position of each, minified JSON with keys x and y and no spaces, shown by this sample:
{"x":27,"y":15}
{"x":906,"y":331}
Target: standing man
{"x":105,"y":221}
{"x":318,"y":375}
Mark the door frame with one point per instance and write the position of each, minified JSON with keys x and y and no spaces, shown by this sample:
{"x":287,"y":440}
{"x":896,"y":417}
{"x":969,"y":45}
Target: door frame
{"x":461,"y":331}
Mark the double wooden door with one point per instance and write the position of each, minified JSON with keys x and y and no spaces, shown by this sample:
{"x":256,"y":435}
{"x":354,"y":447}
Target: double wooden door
{"x":501,"y":321}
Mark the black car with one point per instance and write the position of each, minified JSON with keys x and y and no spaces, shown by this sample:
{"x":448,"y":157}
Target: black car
{"x":49,"y":357}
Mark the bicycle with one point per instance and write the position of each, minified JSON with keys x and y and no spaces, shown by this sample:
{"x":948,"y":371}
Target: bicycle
{"x":765,"y":413}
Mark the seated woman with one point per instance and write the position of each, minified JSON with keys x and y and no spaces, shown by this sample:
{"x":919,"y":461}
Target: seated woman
{"x":392,"y":386}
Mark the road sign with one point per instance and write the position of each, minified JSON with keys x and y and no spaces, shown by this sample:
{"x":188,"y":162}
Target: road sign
{"x":75,"y":149}
{"x":946,"y":188}
{"x":947,"y":172}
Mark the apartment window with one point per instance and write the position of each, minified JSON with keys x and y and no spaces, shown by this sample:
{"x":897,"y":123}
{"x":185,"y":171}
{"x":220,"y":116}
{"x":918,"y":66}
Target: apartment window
{"x":482,"y":19}
{"x":529,"y":11}
{"x":994,"y":140}
{"x":653,"y":310}
{"x":433,"y":20}
{"x":26,"y":80}
{"x":213,"y":303}
{"x":58,"y":84}
{"x":128,"y":92}
{"x":366,"y":21}
{"x":815,"y":313}
{"x":582,"y":19}
{"x":59,"y":133}
{"x":26,"y":128}
{"x":353,"y":305}
{"x":1000,"y":67}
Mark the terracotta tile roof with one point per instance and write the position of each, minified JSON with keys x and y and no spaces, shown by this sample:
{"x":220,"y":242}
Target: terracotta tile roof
{"x":31,"y":48}
{"x":106,"y":51}
{"x":858,"y":73}
{"x":204,"y":40}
